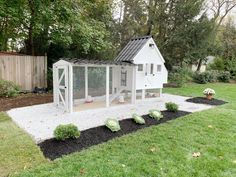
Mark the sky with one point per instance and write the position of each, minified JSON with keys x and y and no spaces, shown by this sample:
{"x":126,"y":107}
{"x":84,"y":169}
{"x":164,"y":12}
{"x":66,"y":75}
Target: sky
{"x":233,"y":14}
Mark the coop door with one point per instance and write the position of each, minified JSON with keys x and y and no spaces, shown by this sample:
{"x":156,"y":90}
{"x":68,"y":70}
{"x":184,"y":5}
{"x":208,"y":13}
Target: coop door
{"x":149,"y":76}
{"x":62,"y":86}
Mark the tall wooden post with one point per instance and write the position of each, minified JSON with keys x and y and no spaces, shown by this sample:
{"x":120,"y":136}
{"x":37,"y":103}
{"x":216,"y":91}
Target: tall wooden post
{"x":70,"y":89}
{"x":107,"y":86}
{"x":55,"y":86}
{"x":86,"y":81}
{"x":133,"y":97}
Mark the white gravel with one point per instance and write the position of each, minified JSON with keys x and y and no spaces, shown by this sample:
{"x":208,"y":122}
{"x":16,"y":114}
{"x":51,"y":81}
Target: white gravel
{"x":40,"y":120}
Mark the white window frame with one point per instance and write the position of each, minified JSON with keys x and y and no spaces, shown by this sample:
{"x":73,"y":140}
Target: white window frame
{"x":151,"y":68}
{"x":123,"y":78}
{"x":146,"y":69}
{"x":159,"y":68}
{"x":140,"y":67}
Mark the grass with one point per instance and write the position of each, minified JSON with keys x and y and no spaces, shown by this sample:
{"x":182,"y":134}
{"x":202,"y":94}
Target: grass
{"x":17,"y":150}
{"x":164,"y":150}
{"x":224,"y":91}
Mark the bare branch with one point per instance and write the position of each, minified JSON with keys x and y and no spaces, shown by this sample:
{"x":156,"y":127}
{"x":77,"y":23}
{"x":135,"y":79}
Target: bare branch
{"x":220,"y":9}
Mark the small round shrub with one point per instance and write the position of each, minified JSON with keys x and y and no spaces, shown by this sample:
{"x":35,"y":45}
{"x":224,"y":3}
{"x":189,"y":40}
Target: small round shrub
{"x":138,"y":119}
{"x":8,"y":89}
{"x":172,"y":107}
{"x":63,"y":132}
{"x":112,"y":124}
{"x":155,"y":114}
{"x":224,"y":76}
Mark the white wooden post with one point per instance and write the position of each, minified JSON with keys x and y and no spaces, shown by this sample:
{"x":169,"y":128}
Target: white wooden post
{"x":55,"y":86}
{"x":160,"y":92}
{"x":113,"y":80}
{"x":107,"y":86}
{"x":143,"y":94}
{"x":133,"y":97}
{"x":70,"y":89}
{"x":66,"y":70}
{"x":86,"y":82}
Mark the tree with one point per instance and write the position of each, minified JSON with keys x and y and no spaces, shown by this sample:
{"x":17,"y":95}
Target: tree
{"x":131,"y":22}
{"x":220,"y":9}
{"x":176,"y":28}
{"x":226,"y":44}
{"x":175,"y":24}
{"x":86,"y":29}
{"x":227,"y":40}
{"x":11,"y":16}
{"x":80,"y":26}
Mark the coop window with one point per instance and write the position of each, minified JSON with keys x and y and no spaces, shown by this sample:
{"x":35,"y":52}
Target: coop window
{"x":123,"y":78}
{"x":140,"y":67}
{"x":151,"y":45}
{"x":151,"y":69}
{"x":158,"y":68}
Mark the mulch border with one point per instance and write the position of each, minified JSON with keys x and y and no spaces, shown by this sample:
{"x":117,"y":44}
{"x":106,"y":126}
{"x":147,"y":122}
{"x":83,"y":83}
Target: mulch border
{"x":23,"y":100}
{"x":203,"y":100}
{"x":53,"y":148}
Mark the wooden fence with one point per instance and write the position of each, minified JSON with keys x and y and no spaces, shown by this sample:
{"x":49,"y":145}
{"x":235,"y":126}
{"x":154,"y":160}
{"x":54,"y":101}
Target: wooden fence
{"x":26,"y":71}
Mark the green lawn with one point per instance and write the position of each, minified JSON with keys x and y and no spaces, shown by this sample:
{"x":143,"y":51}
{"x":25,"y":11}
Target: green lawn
{"x":164,"y":150}
{"x":223,"y":91}
{"x":17,"y":150}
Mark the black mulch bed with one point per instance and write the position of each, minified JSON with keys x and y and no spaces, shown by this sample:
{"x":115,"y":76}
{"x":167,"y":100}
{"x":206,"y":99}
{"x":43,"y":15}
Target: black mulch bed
{"x":53,"y":149}
{"x":203,"y":100}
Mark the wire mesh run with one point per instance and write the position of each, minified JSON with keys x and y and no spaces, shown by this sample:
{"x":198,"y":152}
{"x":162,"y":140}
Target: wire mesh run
{"x":94,"y":79}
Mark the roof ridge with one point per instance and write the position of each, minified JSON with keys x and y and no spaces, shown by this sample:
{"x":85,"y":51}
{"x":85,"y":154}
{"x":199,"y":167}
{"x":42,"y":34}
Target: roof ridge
{"x":143,"y":37}
{"x":79,"y":61}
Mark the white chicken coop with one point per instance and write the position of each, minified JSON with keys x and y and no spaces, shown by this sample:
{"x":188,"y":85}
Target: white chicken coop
{"x":81,"y":84}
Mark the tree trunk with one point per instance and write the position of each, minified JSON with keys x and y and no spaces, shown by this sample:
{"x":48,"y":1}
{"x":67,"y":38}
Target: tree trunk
{"x":4,"y":35}
{"x":150,"y":18}
{"x":30,"y":41}
{"x":199,"y":65}
{"x":30,"y":49}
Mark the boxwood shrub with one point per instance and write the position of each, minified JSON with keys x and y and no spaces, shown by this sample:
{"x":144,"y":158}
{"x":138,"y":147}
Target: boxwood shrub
{"x":112,"y":124}
{"x":63,"y":132}
{"x":155,"y":114}
{"x":138,"y":119}
{"x":172,"y":107}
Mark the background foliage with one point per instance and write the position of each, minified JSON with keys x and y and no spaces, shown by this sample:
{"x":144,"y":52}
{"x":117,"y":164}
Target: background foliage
{"x":98,"y":29}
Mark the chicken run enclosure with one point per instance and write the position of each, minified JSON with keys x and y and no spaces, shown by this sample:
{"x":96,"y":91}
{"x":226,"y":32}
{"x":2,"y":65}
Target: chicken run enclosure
{"x":137,"y":72}
{"x":84,"y":84}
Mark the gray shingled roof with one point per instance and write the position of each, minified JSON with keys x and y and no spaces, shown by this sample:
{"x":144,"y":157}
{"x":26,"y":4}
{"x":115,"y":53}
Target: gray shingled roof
{"x":96,"y":62}
{"x":131,"y":49}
